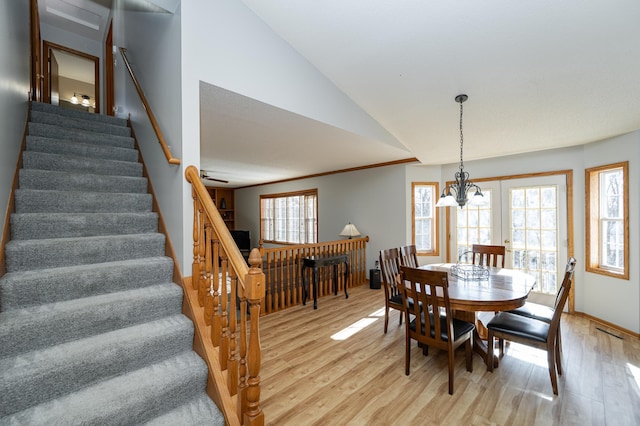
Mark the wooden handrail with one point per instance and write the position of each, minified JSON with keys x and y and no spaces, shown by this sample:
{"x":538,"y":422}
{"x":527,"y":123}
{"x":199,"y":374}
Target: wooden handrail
{"x":226,"y":297}
{"x":156,"y":128}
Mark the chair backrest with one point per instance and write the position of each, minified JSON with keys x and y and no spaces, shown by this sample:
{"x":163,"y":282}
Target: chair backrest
{"x":390,"y":269}
{"x":487,"y":255}
{"x":408,"y":256}
{"x":562,"y":295}
{"x":431,"y":290}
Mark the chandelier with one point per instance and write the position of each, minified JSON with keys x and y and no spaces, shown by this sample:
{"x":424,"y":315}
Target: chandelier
{"x":462,"y":186}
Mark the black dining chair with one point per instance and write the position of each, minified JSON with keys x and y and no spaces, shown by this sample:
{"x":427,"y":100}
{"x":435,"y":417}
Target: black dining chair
{"x":545,"y":313}
{"x":431,"y":290}
{"x":486,"y":255}
{"x":533,"y":332}
{"x":390,"y":270}
{"x":409,"y":256}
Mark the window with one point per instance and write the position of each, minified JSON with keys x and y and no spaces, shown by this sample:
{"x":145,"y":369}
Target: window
{"x":289,"y":218}
{"x":424,"y":218}
{"x":607,"y":211}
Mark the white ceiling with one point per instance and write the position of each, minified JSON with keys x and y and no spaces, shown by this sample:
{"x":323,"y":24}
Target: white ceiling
{"x":539,"y":75}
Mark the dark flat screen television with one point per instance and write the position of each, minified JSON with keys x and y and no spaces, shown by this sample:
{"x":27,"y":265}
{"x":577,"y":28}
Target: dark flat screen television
{"x":243,"y":241}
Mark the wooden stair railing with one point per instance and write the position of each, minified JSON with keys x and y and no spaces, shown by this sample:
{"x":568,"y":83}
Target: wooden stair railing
{"x":152,"y":118}
{"x":231,"y":347}
{"x":283,"y":272}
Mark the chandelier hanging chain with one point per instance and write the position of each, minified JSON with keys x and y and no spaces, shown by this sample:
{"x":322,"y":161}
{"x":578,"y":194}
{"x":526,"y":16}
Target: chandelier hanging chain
{"x":461,"y":138}
{"x":462,"y":184}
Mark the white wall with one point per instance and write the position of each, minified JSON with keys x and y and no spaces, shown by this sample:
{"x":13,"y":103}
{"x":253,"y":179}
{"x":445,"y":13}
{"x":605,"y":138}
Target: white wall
{"x":226,"y":45}
{"x":153,"y":47}
{"x":613,"y":300}
{"x":14,"y":89}
{"x":372,"y":199}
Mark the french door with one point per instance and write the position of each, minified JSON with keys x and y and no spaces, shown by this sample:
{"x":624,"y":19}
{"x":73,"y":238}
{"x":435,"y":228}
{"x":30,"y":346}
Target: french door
{"x":529,"y":217}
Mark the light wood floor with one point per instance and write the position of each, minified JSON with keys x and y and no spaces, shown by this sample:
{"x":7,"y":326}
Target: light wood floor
{"x":309,"y":378}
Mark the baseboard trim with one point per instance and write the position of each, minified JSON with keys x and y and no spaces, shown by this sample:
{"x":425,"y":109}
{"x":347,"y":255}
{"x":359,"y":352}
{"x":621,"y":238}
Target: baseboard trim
{"x":607,"y":324}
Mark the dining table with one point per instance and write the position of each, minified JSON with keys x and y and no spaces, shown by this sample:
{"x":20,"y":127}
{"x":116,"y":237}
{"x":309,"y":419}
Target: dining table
{"x":498,"y":289}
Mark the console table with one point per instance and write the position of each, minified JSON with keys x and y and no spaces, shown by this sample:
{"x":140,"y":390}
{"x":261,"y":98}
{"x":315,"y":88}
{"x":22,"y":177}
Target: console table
{"x":315,"y":262}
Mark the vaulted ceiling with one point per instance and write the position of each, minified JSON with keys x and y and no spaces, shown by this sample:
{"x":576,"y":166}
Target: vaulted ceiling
{"x":539,"y":75}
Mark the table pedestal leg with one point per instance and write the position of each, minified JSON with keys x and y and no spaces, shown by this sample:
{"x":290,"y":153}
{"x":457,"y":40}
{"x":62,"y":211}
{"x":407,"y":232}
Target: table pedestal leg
{"x":479,"y":335}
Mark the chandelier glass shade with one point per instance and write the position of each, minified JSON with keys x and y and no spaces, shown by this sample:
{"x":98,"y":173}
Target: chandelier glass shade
{"x":457,"y":194}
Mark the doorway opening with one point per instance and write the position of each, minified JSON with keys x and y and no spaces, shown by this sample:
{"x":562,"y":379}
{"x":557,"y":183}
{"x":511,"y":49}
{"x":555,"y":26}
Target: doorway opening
{"x":71,"y":78}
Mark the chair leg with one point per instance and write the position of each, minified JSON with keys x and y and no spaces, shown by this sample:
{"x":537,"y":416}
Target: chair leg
{"x":552,"y":367}
{"x":467,"y":352}
{"x":386,"y":318}
{"x":407,"y":353}
{"x":559,"y":352}
{"x":401,"y":315}
{"x":490,"y":351}
{"x":450,"y":370}
{"x":501,"y":344}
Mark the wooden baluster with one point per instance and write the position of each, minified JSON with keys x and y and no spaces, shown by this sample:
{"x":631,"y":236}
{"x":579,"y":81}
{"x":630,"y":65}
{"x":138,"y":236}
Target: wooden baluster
{"x":280,"y":270}
{"x":203,"y":285}
{"x":253,"y":414}
{"x":242,"y":368}
{"x":195,"y":266}
{"x":221,"y":279}
{"x":208,"y":296}
{"x":232,"y":364}
{"x":224,"y":334}
{"x":270,"y":285}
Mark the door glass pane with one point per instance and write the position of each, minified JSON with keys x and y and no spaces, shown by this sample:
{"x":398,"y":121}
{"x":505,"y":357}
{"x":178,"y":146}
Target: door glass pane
{"x":534,"y":234}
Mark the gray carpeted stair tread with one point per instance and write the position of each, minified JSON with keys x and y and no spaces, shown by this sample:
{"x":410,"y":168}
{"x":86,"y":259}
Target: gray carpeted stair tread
{"x":51,"y":180}
{"x":130,"y":399}
{"x":36,"y":201}
{"x":80,"y":149}
{"x":25,"y":255}
{"x":99,"y":166}
{"x":28,"y":226}
{"x":56,"y":323}
{"x":74,"y":123}
{"x":56,"y":132}
{"x":31,"y":288}
{"x":198,"y":412}
{"x":58,"y":370}
{"x":83,"y":115}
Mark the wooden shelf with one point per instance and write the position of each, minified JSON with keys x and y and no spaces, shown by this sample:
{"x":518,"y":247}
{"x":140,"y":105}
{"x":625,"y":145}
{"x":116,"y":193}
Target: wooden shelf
{"x":224,"y":199}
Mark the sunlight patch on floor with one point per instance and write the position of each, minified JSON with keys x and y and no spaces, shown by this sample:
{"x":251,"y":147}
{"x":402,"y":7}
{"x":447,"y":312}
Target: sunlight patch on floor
{"x":379,"y":313}
{"x":526,"y":353}
{"x":635,"y":372}
{"x":345,"y":333}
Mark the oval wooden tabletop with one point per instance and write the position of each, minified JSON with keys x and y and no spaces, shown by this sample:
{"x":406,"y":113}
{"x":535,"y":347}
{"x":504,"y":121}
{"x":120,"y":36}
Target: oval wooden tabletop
{"x":505,"y":289}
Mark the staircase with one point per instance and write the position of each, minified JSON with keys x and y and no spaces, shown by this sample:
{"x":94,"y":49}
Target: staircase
{"x":91,"y":330}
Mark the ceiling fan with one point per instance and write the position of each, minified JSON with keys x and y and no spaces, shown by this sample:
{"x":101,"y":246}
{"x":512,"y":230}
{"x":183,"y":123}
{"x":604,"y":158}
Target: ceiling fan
{"x":205,"y":176}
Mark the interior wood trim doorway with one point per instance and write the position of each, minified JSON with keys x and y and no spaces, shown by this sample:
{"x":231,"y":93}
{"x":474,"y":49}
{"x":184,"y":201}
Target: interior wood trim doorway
{"x":47,"y":47}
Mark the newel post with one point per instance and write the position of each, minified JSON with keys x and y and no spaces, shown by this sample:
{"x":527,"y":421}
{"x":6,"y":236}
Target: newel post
{"x":254,"y":292}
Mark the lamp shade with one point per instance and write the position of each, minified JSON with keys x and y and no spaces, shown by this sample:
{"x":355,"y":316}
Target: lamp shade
{"x":349,"y":230}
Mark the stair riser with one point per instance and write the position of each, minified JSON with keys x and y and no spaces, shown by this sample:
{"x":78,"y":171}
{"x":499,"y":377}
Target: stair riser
{"x":55,"y":162}
{"x":71,"y":366}
{"x":32,"y":288}
{"x":82,"y":318}
{"x":33,"y":201}
{"x":52,"y":109}
{"x":126,"y":400}
{"x":36,"y":226}
{"x":72,"y":123}
{"x":79,"y":149}
{"x":50,"y":180}
{"x":55,"y":132}
{"x":55,"y":253}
